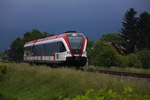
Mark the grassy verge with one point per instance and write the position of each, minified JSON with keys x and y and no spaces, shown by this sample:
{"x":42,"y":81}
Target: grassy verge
{"x":127,"y":69}
{"x":26,"y":82}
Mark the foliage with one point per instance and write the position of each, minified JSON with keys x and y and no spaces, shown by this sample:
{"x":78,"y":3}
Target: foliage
{"x":26,"y":82}
{"x":133,"y":61}
{"x":129,"y":31}
{"x":90,"y":50}
{"x":122,"y":61}
{"x":35,"y":34}
{"x":103,"y":54}
{"x":17,"y":46}
{"x":130,"y":60}
{"x":136,"y":28}
{"x":16,"y":50}
{"x":3,"y":97}
{"x":113,"y":38}
{"x":143,"y":26}
{"x":127,"y":94}
{"x":3,"y":71}
{"x":144,"y":57}
{"x":90,"y":44}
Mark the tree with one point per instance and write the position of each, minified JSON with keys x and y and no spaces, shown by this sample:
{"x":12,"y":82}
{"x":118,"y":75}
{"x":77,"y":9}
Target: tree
{"x":89,"y":50}
{"x":17,"y":47}
{"x":129,"y":30}
{"x":136,"y":31}
{"x":143,"y":25}
{"x":35,"y":34}
{"x":113,"y":38}
{"x":16,"y":50}
{"x":103,"y":54}
{"x":144,"y":57}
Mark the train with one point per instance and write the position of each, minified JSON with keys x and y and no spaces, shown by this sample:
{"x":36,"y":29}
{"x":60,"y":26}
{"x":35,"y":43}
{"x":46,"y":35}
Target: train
{"x":68,"y":48}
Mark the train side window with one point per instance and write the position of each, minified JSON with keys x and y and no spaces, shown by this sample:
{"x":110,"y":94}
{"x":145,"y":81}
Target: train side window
{"x":27,"y":51}
{"x":49,"y":49}
{"x":33,"y":51}
{"x":61,"y":47}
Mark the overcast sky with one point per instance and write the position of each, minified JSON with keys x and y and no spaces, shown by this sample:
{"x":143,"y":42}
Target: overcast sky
{"x":92,"y":17}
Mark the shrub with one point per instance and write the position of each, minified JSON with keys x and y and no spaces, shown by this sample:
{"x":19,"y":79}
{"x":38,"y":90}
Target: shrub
{"x":2,"y":97}
{"x":130,"y":60}
{"x":122,"y":61}
{"x":104,"y":54}
{"x":3,"y":70}
{"x":133,"y":61}
{"x":126,"y":94}
{"x":144,"y":57}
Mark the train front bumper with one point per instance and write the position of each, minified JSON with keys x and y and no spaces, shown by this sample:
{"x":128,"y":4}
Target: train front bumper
{"x":79,"y":60}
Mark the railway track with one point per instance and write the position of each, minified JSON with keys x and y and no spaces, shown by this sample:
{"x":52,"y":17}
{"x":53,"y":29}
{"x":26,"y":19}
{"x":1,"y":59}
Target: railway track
{"x":128,"y":74}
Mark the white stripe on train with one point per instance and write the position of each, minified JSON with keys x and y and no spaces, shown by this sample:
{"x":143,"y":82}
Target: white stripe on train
{"x":49,"y":41}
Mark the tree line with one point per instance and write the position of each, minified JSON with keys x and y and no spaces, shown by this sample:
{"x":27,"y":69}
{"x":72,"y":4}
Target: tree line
{"x":16,"y":51}
{"x":136,"y":31}
{"x":129,"y":47}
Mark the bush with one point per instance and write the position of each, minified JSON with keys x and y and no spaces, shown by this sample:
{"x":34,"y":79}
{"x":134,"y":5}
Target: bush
{"x":127,"y":94}
{"x":3,"y":70}
{"x":104,"y":54}
{"x":2,"y":97}
{"x":122,"y":61}
{"x":133,"y":61}
{"x":144,"y":57}
{"x":130,"y":60}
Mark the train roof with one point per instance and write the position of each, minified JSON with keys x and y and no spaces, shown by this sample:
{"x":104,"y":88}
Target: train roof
{"x":52,"y":37}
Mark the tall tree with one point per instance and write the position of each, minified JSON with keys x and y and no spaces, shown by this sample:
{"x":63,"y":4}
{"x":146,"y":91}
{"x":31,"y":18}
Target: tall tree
{"x":16,"y":50}
{"x":129,"y":30}
{"x":143,"y":25}
{"x":35,"y":34}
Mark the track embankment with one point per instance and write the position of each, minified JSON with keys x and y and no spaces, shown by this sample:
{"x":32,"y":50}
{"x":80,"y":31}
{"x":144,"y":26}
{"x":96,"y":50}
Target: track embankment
{"x":118,"y":73}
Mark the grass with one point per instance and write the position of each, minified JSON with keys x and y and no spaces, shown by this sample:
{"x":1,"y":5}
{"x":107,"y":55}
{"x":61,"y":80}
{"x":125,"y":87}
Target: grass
{"x":127,"y":69}
{"x":26,"y":82}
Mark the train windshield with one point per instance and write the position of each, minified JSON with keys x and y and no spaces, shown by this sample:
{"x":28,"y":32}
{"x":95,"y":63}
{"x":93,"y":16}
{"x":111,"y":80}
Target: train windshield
{"x":75,"y":42}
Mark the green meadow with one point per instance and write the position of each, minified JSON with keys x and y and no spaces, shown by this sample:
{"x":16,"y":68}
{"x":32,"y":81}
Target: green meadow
{"x":31,"y":82}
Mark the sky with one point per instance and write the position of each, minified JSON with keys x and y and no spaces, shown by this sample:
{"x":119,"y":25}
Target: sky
{"x":92,"y":17}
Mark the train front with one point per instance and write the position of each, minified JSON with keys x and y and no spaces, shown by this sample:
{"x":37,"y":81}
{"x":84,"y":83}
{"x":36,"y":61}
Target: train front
{"x":77,"y":45}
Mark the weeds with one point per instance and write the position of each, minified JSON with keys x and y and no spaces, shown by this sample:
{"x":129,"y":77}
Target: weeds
{"x":3,"y":71}
{"x":2,"y":97}
{"x":28,"y":82}
{"x":127,"y":94}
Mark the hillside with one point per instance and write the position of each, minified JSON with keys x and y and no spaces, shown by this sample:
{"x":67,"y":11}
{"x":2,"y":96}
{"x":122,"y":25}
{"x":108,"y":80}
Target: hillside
{"x":26,"y":82}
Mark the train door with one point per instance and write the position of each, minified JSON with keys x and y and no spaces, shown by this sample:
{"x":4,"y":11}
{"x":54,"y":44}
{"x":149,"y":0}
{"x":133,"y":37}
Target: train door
{"x":61,"y":52}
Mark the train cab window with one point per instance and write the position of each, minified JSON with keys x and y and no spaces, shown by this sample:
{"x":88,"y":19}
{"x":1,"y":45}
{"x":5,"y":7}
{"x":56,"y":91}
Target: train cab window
{"x":75,"y":42}
{"x":61,"y":47}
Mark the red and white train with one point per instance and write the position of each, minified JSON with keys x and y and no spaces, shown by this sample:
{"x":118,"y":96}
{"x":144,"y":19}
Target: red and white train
{"x":67,"y":48}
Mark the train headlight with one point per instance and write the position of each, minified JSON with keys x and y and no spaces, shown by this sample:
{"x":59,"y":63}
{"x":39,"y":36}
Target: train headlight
{"x":84,"y":53}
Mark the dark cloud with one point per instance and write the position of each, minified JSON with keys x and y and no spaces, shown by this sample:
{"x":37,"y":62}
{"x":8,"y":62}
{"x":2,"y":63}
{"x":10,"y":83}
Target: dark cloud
{"x":93,"y":17}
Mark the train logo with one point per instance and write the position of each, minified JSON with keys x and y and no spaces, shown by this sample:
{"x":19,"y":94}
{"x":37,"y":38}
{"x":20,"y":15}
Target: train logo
{"x":66,"y":48}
